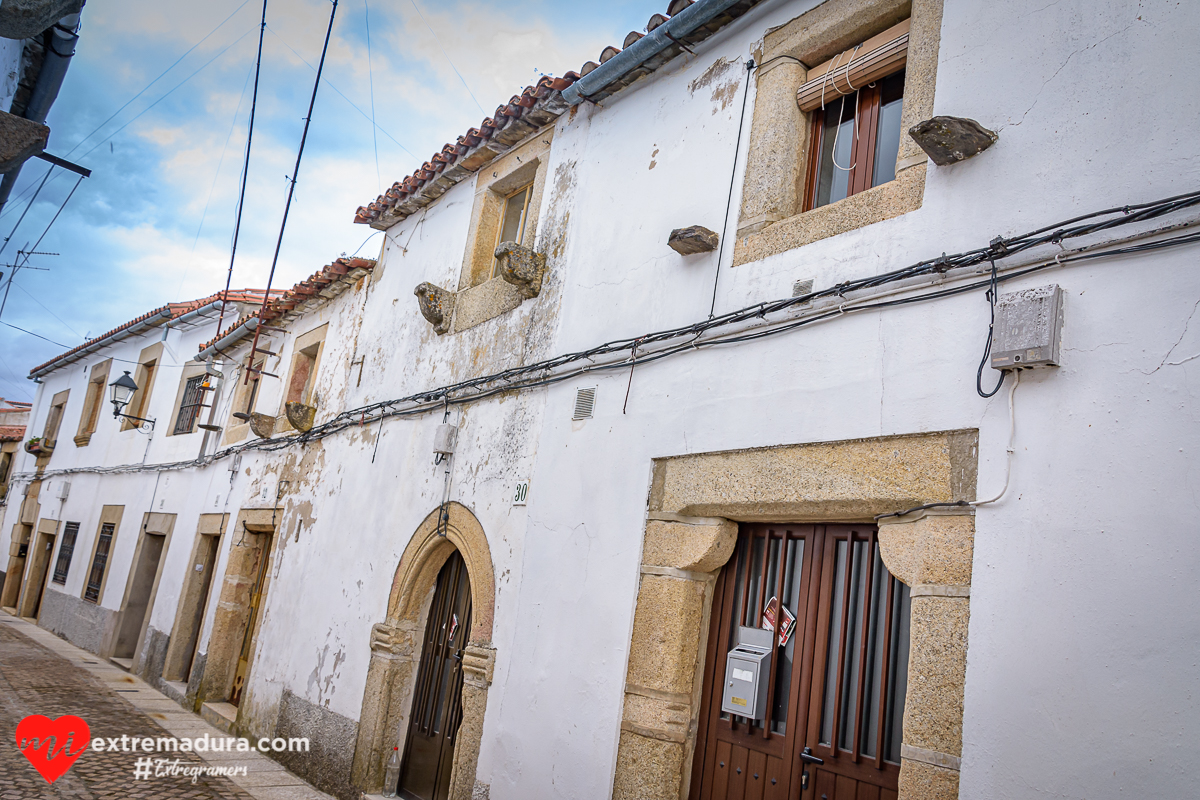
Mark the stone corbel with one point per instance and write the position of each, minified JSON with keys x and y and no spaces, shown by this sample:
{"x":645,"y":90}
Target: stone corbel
{"x":391,"y":640}
{"x":479,"y":662}
{"x":437,"y":306}
{"x":301,"y":416}
{"x":521,"y":267}
{"x":263,"y":425}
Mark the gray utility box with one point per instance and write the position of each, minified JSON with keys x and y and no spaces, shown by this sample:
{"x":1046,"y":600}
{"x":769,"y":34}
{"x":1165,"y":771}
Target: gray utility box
{"x":1028,"y":328}
{"x":747,"y":671}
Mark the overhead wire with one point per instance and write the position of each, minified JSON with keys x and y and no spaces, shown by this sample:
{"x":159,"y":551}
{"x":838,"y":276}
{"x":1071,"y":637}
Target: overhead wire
{"x":38,"y":242}
{"x":312,"y":102}
{"x":371,"y":85}
{"x":543,"y":373}
{"x":340,"y":93}
{"x":447,"y":55}
{"x":237,"y":226}
{"x":78,"y":144}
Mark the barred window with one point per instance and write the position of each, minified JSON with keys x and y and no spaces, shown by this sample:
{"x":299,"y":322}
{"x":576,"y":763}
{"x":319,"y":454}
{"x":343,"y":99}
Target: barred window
{"x":96,"y":577}
{"x":65,"y":551}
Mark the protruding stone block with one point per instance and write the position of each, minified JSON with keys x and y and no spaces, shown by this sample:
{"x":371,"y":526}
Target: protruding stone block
{"x":521,"y":267}
{"x":300,"y":416}
{"x":20,"y":139}
{"x":21,"y":19}
{"x":692,"y":240}
{"x":437,"y":306}
{"x":262,"y":424}
{"x":948,"y":140}
{"x":695,"y":548}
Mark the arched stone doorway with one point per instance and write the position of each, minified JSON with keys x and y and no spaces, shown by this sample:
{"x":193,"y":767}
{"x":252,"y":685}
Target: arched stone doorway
{"x":396,"y":650}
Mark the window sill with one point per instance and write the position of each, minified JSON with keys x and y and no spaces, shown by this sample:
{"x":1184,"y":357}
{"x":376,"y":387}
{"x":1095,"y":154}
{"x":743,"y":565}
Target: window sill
{"x":485,"y":301}
{"x":892,"y":199}
{"x":83,"y":439}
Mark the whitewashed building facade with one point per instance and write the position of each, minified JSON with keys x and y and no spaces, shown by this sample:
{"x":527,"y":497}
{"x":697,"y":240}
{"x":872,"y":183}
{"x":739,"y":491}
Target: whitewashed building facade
{"x":991,"y":595}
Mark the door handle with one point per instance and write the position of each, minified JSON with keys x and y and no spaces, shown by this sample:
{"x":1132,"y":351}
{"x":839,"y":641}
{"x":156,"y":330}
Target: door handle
{"x":806,"y":758}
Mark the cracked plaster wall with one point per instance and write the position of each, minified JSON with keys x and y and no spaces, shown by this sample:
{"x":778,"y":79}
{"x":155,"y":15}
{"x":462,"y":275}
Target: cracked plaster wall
{"x":1075,"y":572}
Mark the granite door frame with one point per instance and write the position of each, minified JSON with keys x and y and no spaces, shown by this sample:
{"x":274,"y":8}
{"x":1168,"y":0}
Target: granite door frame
{"x":695,"y":503}
{"x":396,"y":650}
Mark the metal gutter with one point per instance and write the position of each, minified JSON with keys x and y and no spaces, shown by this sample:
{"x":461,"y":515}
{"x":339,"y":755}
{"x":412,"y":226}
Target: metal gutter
{"x":215,"y":305}
{"x":240,"y":332}
{"x":104,"y":342}
{"x":679,"y":26}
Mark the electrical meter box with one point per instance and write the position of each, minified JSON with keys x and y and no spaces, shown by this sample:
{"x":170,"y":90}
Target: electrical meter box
{"x":747,"y":671}
{"x":1028,"y":328}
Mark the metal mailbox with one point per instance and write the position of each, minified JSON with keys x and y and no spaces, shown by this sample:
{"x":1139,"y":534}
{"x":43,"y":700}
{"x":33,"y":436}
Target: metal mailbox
{"x":747,"y":671}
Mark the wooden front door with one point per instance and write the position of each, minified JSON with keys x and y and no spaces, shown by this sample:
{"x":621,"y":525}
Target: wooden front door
{"x":437,"y":697}
{"x":838,"y":676}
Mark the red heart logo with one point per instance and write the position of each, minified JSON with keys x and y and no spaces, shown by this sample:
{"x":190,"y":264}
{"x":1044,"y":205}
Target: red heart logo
{"x":47,"y":743}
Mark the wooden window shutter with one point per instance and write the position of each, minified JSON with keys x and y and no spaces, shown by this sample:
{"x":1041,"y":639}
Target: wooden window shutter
{"x":851,"y":70}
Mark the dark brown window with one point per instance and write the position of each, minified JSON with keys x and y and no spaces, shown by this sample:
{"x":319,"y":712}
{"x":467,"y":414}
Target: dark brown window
{"x":189,"y":409}
{"x":855,"y":141}
{"x":96,"y":576}
{"x":65,"y":551}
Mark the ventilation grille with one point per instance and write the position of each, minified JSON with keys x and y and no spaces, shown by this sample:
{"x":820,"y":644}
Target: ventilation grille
{"x":801,"y":288}
{"x":585,"y":402}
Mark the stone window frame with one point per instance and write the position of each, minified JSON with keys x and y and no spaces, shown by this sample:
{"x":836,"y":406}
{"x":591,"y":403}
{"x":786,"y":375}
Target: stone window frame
{"x":303,"y":348}
{"x":771,"y":220}
{"x":54,"y":417}
{"x":189,"y":371}
{"x":93,"y":400}
{"x":149,"y":366}
{"x":108,"y":514}
{"x":481,"y":294}
{"x":238,"y":429}
{"x":695,"y":502}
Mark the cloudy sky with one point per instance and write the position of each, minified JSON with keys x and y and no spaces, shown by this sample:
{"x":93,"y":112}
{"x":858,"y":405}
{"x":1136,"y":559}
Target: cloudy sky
{"x":154,"y":222}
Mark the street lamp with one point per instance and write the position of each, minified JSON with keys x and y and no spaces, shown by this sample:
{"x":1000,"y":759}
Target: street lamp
{"x":123,"y":389}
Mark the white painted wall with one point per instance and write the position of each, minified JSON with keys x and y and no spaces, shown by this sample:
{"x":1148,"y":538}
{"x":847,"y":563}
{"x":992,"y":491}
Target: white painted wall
{"x":1084,"y":629}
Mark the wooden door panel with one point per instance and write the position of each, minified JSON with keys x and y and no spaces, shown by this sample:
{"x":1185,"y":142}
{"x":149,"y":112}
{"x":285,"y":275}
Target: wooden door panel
{"x":841,"y":694}
{"x":756,"y":775}
{"x":719,"y":785}
{"x":737,"y":774}
{"x":775,"y":783}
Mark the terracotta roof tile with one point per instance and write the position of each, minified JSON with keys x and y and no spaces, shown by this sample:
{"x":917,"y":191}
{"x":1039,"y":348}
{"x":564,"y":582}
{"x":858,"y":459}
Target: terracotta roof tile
{"x":168,"y":312}
{"x":537,"y":105}
{"x":322,"y":285}
{"x":12,"y":433}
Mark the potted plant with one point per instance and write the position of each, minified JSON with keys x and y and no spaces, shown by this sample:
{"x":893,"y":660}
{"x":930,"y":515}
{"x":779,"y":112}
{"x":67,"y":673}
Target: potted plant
{"x":38,"y":446}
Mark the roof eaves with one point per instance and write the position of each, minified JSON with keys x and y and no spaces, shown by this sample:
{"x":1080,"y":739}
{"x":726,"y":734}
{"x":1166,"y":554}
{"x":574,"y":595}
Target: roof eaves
{"x":537,"y":106}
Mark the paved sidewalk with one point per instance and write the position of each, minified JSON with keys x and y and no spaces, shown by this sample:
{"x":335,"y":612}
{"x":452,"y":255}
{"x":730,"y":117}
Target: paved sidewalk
{"x":42,"y":674}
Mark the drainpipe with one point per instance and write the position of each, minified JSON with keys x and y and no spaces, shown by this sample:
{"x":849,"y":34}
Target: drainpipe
{"x":682,"y":24}
{"x":60,"y":47}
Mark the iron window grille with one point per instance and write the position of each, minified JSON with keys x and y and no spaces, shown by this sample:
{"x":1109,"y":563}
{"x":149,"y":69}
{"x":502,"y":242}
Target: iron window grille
{"x":65,"y":551}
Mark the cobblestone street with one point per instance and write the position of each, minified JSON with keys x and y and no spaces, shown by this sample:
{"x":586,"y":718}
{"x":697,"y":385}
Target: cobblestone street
{"x":41,"y":675}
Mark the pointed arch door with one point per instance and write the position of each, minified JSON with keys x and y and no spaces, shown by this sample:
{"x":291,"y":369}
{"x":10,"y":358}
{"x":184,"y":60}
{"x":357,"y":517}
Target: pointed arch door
{"x":437,"y":697}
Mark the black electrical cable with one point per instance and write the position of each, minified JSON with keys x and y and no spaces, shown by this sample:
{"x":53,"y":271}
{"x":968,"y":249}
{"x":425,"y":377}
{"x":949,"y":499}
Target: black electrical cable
{"x":514,"y":379}
{"x":237,"y":226}
{"x":987,"y":350}
{"x":21,"y":218}
{"x":292,"y":185}
{"x":732,"y":180}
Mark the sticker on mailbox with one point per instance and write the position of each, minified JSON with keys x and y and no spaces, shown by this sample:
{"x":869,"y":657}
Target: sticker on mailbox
{"x":743,"y":675}
{"x":738,"y":701}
